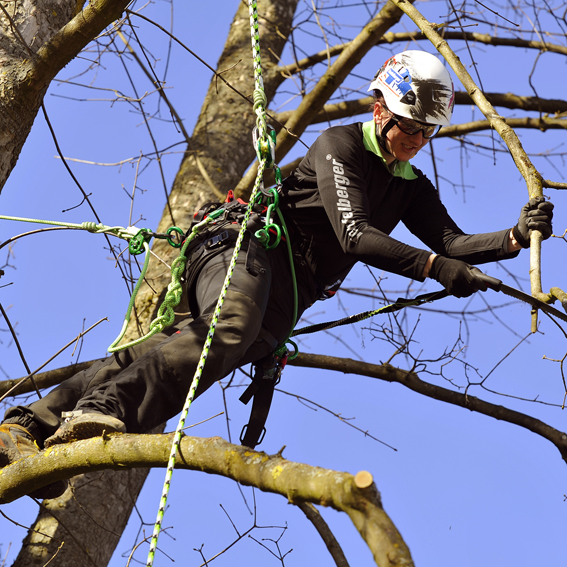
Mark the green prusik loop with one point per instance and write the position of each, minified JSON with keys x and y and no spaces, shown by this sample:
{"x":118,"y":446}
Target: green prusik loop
{"x":260,"y":100}
{"x":166,"y":311}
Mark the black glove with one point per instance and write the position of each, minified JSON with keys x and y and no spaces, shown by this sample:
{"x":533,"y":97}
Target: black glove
{"x":458,"y":278}
{"x":535,"y":215}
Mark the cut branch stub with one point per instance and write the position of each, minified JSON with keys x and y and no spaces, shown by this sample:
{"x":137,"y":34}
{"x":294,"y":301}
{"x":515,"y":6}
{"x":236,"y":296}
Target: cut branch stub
{"x":296,"y":481}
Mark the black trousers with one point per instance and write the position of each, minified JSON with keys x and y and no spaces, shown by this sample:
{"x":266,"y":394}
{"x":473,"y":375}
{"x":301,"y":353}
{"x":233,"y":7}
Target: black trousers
{"x":147,"y":384}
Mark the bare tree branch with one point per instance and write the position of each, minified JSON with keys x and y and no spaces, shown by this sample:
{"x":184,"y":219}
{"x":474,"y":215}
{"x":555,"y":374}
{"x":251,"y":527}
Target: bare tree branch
{"x":325,"y":532}
{"x":357,"y":495}
{"x":401,"y":37}
{"x":413,"y":382}
{"x":349,"y":108}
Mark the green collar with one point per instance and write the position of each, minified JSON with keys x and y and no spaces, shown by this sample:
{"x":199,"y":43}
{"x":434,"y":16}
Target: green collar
{"x":402,"y":169}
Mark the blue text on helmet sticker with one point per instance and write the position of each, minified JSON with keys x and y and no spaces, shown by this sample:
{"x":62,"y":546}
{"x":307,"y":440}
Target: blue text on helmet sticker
{"x":397,"y":80}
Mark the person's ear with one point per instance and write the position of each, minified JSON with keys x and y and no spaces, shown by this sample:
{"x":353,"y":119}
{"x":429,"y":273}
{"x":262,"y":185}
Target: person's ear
{"x":377,"y":114}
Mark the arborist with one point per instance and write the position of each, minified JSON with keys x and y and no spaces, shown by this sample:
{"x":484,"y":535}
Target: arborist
{"x":351,"y":190}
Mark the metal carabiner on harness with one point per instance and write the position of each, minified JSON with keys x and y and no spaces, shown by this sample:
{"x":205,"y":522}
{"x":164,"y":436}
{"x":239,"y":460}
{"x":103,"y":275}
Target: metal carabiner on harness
{"x":263,"y":234}
{"x":265,"y":147}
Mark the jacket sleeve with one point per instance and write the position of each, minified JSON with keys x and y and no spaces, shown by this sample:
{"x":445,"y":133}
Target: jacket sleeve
{"x":429,"y":220}
{"x":343,"y":191}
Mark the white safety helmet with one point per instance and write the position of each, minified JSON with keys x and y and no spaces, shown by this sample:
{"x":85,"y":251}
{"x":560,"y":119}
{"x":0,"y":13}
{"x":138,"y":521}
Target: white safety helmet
{"x":415,"y":84}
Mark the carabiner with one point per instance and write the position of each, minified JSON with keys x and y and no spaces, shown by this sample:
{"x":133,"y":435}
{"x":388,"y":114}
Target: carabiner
{"x":180,"y":235}
{"x":265,"y":148}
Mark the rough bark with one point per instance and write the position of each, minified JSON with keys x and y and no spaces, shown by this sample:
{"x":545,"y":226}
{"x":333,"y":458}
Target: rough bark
{"x":356,"y":495}
{"x":222,"y":135}
{"x":224,"y":118}
{"x":89,"y":533}
{"x":38,"y":39}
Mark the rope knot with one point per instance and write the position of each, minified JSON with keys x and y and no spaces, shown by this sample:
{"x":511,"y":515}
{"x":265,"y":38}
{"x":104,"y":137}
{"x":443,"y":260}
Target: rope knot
{"x":260,"y":100}
{"x":92,"y":226}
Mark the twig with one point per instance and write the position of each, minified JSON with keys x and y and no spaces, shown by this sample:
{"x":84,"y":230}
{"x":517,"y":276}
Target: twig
{"x":325,"y":532}
{"x":21,"y":381}
{"x":14,"y":336}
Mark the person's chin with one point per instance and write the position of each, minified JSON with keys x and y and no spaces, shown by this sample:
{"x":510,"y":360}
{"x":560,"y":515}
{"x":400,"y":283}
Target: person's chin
{"x":405,"y":154}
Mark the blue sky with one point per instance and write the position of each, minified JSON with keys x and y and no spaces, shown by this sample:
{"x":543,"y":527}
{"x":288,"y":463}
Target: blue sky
{"x":463,"y":489}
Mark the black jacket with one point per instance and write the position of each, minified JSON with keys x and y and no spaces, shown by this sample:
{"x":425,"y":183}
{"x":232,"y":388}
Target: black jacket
{"x":341,"y":204}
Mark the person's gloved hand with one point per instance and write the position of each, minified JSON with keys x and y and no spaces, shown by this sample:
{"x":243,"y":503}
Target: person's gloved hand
{"x":535,"y":215}
{"x":458,"y":278}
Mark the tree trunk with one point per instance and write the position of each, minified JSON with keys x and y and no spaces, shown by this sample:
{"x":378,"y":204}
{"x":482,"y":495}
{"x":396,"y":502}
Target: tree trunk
{"x":225,"y":118}
{"x":38,"y":40}
{"x":222,"y":139}
{"x":82,"y":527}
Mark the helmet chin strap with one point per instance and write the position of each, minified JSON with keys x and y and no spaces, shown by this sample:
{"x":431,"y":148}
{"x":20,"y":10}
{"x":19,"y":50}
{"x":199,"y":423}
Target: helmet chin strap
{"x":381,"y":136}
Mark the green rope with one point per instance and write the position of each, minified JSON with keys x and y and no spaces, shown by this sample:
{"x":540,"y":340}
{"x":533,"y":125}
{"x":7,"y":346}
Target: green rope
{"x":199,"y":371}
{"x":138,"y":243}
{"x":265,"y":151}
{"x":166,"y":311}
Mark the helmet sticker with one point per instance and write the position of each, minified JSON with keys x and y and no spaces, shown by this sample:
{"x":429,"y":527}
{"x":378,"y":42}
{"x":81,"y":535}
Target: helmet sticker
{"x":396,"y":78}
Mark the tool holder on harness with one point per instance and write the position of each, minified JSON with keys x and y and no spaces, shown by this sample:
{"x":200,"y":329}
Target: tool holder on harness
{"x":267,"y":374}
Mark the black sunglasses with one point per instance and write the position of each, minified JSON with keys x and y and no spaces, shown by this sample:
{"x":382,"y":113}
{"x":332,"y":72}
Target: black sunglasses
{"x":411,"y":127}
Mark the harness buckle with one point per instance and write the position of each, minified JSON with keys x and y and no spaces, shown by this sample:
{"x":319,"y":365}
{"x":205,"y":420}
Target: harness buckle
{"x":217,"y":240}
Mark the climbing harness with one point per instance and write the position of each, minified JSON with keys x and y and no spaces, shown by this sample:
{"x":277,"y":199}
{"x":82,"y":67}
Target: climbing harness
{"x":264,"y":145}
{"x":212,"y":227}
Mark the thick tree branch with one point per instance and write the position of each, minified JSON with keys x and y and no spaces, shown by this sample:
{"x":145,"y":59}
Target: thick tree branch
{"x":348,"y":108}
{"x":45,"y":379}
{"x":384,"y":372}
{"x":413,"y":382}
{"x":402,"y":37}
{"x":75,"y":36}
{"x":25,"y":75}
{"x":357,"y":495}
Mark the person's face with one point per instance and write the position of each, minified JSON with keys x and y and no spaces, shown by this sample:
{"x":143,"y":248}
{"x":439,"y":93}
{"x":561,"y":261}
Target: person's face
{"x":401,"y":146}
